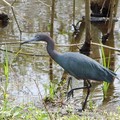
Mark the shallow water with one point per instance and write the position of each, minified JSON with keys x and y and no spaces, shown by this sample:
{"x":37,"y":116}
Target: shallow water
{"x":27,"y":70}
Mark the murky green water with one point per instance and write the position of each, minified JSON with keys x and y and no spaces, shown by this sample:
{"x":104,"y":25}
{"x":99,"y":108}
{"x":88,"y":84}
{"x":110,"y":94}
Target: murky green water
{"x":25,"y":70}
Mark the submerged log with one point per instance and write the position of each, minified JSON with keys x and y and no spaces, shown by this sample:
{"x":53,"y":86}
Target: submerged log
{"x":98,"y":19}
{"x":102,"y":19}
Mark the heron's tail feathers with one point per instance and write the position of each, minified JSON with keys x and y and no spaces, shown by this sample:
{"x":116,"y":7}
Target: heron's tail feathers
{"x":114,"y":75}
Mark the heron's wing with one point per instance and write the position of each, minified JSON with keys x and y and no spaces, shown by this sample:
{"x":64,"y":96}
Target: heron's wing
{"x":83,"y":67}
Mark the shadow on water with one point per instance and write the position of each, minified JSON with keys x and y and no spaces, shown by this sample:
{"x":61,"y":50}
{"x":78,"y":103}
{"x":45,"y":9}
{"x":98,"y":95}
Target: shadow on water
{"x":25,"y":70}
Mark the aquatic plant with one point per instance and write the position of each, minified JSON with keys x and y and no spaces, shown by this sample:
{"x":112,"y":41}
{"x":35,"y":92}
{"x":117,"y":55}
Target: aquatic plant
{"x":105,"y":64}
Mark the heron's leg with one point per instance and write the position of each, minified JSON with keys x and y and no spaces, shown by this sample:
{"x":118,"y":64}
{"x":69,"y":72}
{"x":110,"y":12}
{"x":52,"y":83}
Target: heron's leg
{"x":69,"y":85}
{"x":88,"y":86}
{"x":84,"y":87}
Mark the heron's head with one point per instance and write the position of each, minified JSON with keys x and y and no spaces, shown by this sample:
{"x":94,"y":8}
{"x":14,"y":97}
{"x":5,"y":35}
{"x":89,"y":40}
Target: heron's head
{"x":38,"y":37}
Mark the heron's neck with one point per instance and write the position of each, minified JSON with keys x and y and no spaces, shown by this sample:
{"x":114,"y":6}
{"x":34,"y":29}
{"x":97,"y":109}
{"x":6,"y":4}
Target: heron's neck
{"x":51,"y":49}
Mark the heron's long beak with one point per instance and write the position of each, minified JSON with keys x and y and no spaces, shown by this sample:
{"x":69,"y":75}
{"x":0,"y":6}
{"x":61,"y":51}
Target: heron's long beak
{"x":31,"y":40}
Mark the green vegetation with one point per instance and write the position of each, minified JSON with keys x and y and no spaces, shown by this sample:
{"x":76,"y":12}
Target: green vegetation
{"x":23,"y":112}
{"x":106,"y":63}
{"x":30,"y":112}
{"x":6,"y":73}
{"x":51,"y":90}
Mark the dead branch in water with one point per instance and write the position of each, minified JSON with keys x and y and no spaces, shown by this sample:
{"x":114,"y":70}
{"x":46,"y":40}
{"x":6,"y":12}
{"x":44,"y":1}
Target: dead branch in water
{"x":68,"y":45}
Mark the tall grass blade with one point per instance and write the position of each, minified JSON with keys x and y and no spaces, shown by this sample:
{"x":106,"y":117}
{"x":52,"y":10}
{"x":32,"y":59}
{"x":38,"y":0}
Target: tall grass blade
{"x":106,"y":63}
{"x":6,"y":73}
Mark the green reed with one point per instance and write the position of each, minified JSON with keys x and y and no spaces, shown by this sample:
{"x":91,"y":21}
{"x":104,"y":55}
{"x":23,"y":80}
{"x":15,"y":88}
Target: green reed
{"x":107,"y":65}
{"x":51,"y":90}
{"x":6,"y":73}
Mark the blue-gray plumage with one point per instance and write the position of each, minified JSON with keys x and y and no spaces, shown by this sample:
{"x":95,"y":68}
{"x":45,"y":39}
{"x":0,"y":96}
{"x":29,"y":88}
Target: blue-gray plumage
{"x":76,"y":64}
{"x":83,"y":67}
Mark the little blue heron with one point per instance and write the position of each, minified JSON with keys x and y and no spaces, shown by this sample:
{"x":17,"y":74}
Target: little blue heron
{"x":78,"y":65}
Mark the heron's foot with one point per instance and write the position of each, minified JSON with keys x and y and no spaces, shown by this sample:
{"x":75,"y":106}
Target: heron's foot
{"x":69,"y":94}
